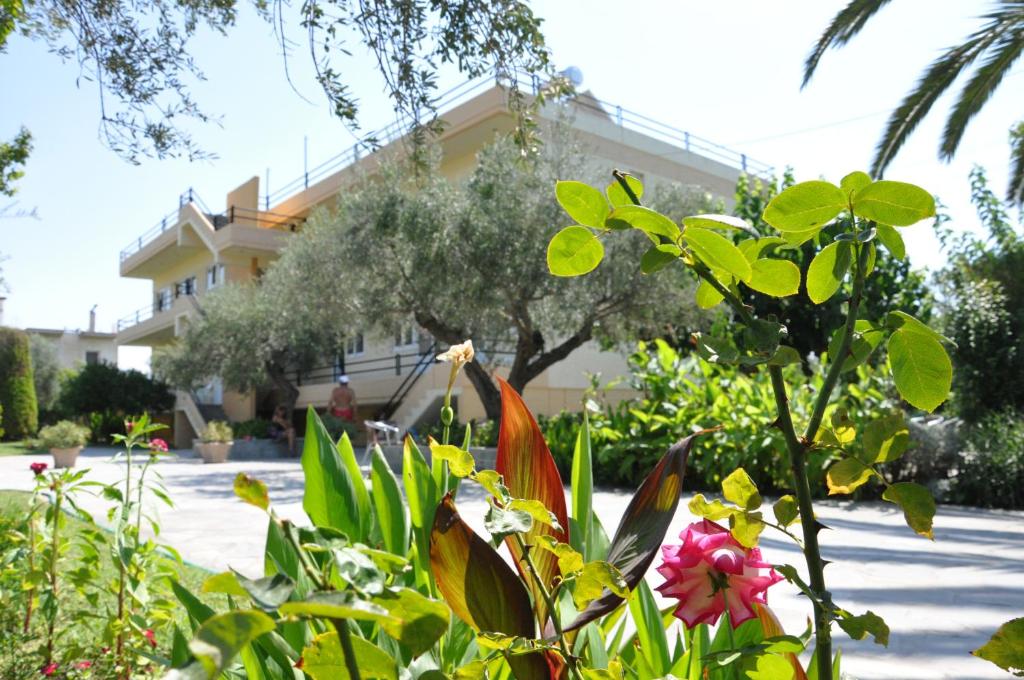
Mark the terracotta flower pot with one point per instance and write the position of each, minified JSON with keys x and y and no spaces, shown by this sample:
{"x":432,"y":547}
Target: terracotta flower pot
{"x":65,"y":458}
{"x":214,"y":452}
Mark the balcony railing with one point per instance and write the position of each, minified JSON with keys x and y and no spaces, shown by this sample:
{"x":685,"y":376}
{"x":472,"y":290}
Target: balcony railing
{"x":620,"y":116}
{"x":138,"y":316}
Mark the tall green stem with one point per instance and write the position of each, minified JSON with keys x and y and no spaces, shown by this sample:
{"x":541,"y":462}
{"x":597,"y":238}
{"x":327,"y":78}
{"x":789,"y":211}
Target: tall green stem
{"x":31,"y":593}
{"x":54,"y":558}
{"x":122,"y":574}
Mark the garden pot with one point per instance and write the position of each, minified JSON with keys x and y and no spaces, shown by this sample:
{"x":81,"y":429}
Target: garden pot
{"x":214,"y":452}
{"x":65,"y":458}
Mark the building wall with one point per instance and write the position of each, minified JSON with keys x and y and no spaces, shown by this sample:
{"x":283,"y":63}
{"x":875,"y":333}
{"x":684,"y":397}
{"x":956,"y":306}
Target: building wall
{"x":72,"y":346}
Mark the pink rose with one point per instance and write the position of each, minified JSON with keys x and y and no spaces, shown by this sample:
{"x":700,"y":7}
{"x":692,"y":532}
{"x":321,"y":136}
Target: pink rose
{"x":38,"y":468}
{"x":150,"y":636}
{"x":711,"y":569}
{"x":158,"y":445}
{"x":49,"y":669}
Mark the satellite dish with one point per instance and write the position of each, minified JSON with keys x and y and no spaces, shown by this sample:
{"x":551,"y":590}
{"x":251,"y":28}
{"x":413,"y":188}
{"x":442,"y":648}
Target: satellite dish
{"x":574,"y":74}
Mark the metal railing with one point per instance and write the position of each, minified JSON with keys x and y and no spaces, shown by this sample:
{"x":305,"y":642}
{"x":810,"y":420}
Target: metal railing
{"x":138,"y":316}
{"x":379,"y":367}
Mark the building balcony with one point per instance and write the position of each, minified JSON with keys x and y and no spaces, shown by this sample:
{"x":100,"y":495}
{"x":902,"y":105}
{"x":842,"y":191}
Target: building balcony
{"x":155,"y":324}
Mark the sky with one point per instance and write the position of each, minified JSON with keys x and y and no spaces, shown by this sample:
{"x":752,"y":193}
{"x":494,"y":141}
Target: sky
{"x":728,"y":71}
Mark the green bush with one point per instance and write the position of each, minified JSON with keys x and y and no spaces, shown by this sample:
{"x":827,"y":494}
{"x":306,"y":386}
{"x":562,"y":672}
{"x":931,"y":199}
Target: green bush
{"x":106,"y":395}
{"x":217,"y":431}
{"x":63,"y":435}
{"x":991,"y":469}
{"x":258,"y":428}
{"x":17,"y":389}
{"x":483,"y":432}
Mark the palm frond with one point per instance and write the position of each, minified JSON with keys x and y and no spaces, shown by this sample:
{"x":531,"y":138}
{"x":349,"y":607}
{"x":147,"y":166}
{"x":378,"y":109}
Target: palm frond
{"x":1015,"y":190}
{"x":915,"y":106}
{"x":1007,"y":26}
{"x":844,"y":26}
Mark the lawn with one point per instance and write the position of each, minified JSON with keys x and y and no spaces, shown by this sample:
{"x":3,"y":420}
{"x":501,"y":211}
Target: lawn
{"x":19,"y":653}
{"x":18,"y":448}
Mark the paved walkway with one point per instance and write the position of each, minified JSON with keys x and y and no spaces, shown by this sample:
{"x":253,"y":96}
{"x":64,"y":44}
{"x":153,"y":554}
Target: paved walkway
{"x":941,"y":599}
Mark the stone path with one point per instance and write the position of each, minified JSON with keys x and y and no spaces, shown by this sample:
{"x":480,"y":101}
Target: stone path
{"x":941,"y":599}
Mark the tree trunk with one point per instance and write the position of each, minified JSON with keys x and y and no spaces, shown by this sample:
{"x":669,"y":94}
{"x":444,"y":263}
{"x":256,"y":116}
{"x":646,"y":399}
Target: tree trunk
{"x":490,"y":395}
{"x":279,"y":377}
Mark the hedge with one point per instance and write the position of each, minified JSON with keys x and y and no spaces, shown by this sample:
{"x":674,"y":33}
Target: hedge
{"x":17,"y":387}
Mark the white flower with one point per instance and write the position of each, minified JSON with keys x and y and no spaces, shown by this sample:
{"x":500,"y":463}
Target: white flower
{"x":459,"y":355}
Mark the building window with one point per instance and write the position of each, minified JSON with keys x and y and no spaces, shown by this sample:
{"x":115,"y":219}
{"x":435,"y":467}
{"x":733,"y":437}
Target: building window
{"x":185,"y":287}
{"x":162,"y":300}
{"x":354,"y":344}
{"x":407,"y":336}
{"x":214,"y":276}
{"x":92,"y":358}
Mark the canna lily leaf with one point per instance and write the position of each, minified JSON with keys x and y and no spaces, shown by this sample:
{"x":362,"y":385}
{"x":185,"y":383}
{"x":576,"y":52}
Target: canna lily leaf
{"x":529,"y":471}
{"x":643,"y":527}
{"x":480,"y":587}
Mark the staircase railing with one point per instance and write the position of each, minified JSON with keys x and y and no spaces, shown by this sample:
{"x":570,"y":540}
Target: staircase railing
{"x":426,"y":359}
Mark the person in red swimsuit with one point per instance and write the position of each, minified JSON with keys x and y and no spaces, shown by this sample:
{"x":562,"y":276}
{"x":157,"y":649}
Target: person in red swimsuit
{"x":343,"y":401}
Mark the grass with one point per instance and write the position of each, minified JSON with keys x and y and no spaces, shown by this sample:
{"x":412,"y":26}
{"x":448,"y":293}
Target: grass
{"x":20,"y":655}
{"x":18,"y":448}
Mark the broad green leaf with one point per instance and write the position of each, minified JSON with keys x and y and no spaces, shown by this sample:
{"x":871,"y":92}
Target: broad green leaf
{"x":715,"y":510}
{"x":658,"y":257}
{"x":771,"y":667}
{"x":651,"y":635}
{"x":886,"y":439}
{"x":740,"y":489}
{"x":707,"y":296}
{"x":324,"y":659}
{"x":583,"y":203}
{"x":805,"y":206}
{"x":754,"y":248}
{"x":617,"y":196}
{"x":224,"y":582}
{"x":898,"y":320}
{"x":895,"y":203}
{"x":219,"y":640}
{"x":643,"y":526}
{"x":847,"y":475}
{"x":530,"y":473}
{"x":746,"y":528}
{"x":716,"y":222}
{"x":798,"y":238}
{"x":267,"y":593}
{"x":866,"y":338}
{"x":336,"y":605}
{"x":715,"y":350}
{"x":843,"y":427}
{"x":582,"y":489}
{"x":460,"y":462}
{"x":1006,"y":648}
{"x":594,"y":579}
{"x":198,"y":612}
{"x":492,"y":481}
{"x":569,"y":559}
{"x":359,"y":570}
{"x":892,"y":240}
{"x":859,"y":627}
{"x":421,"y":494}
{"x":920,"y":367}
{"x":252,"y":491}
{"x":917,"y":504}
{"x":784,"y":356}
{"x":415,"y":620}
{"x":778,"y":278}
{"x":827,"y":271}
{"x":574,"y":251}
{"x":652,"y":223}
{"x":854,"y":182}
{"x":335,"y":495}
{"x":718,"y":252}
{"x":536,"y":510}
{"x":389,"y":505}
{"x":502,"y":522}
{"x":480,"y":587}
{"x":786,"y":510}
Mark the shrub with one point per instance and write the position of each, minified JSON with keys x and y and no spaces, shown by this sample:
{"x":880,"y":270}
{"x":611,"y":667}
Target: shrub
{"x":217,"y":431}
{"x":45,"y":371}
{"x":63,"y":435}
{"x":17,"y":390}
{"x":258,"y":428}
{"x":107,"y":395}
{"x":991,"y":469}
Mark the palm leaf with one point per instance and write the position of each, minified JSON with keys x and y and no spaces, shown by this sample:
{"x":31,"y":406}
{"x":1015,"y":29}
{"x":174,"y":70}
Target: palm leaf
{"x":844,"y":26}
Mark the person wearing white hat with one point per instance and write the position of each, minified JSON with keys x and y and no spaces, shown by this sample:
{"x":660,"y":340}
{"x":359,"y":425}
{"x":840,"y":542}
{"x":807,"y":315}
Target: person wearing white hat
{"x":343,"y":401}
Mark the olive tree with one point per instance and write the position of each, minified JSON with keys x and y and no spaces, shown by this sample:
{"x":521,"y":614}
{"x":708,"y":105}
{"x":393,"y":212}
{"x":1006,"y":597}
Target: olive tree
{"x":468,"y":261}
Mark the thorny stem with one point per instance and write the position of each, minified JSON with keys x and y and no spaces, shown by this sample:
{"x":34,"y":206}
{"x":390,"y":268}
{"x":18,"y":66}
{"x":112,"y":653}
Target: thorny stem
{"x":31,"y":561}
{"x":121,"y":571}
{"x":54,"y":557}
{"x":556,"y":621}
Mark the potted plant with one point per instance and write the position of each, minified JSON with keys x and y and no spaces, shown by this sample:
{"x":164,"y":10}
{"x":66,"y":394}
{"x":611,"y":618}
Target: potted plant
{"x":65,"y":441}
{"x":215,"y":442}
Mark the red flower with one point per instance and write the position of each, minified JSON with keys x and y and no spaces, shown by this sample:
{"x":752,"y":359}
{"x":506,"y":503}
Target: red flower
{"x":83,"y":665}
{"x":49,"y":669}
{"x":158,"y":445}
{"x":151,"y":636}
{"x":38,"y":468}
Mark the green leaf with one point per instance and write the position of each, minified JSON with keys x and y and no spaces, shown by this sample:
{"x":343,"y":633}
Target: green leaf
{"x":421,"y":494}
{"x":895,"y":203}
{"x":652,"y":223}
{"x":707,"y":296}
{"x":846,"y":476}
{"x":460,"y":462}
{"x":267,"y":593}
{"x":224,"y":582}
{"x":886,"y":439}
{"x":854,"y":182}
{"x":1006,"y":648}
{"x":569,"y":559}
{"x":746,"y":528}
{"x":805,"y":206}
{"x":389,"y":505}
{"x":651,"y":632}
{"x":917,"y":504}
{"x":784,"y":356}
{"x":859,"y":627}
{"x":921,"y":368}
{"x":252,"y":491}
{"x":336,"y":605}
{"x":797,"y":238}
{"x":359,"y":570}
{"x":658,"y":257}
{"x":827,"y":271}
{"x":219,"y":640}
{"x":492,"y":481}
{"x":866,"y":338}
{"x":754,"y":248}
{"x":335,"y":495}
{"x":898,"y":320}
{"x":617,"y":196}
{"x":594,"y":579}
{"x":771,"y":667}
{"x":715,"y":510}
{"x":324,"y":659}
{"x":786,"y":510}
{"x":584,"y":203}
{"x":415,"y":620}
{"x":892,"y":240}
{"x":718,"y":252}
{"x":502,"y":522}
{"x":740,"y":489}
{"x":715,"y":350}
{"x":574,"y":251}
{"x":716,"y":222}
{"x":778,"y":278}
{"x":537,"y":510}
{"x":582,"y":490}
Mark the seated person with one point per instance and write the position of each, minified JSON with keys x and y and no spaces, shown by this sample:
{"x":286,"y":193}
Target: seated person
{"x":281,"y":428}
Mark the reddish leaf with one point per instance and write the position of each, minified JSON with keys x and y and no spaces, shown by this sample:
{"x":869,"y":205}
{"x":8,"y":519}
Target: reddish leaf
{"x":480,"y":587}
{"x":643,"y":527}
{"x":530,"y":472}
